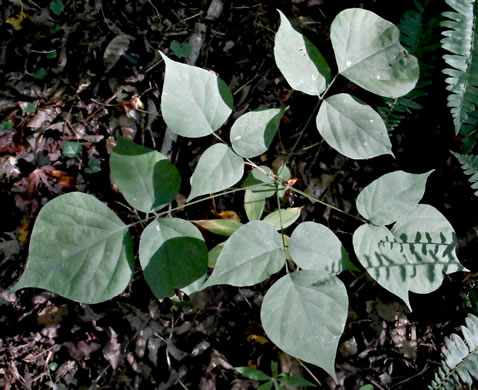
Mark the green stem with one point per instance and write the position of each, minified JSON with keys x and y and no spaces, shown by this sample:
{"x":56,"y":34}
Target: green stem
{"x":314,"y":199}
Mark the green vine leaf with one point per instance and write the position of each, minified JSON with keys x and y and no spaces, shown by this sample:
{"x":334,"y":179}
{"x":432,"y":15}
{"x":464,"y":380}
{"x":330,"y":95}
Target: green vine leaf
{"x":172,"y":254}
{"x":391,"y":196}
{"x":194,"y":102}
{"x":353,"y":128}
{"x":304,"y":314}
{"x":315,"y":246}
{"x":241,"y":264}
{"x":385,"y":265}
{"x":218,"y":168}
{"x":252,"y":133}
{"x":301,"y":63}
{"x":145,"y":177}
{"x":254,"y":204}
{"x":80,"y":250}
{"x":368,"y":52}
{"x":282,"y":219}
{"x":429,"y":241}
{"x":222,"y":227}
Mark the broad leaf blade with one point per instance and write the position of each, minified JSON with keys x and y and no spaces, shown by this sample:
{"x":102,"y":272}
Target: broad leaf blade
{"x":241,"y":264}
{"x":223,"y":227}
{"x":428,"y":240}
{"x":80,"y":250}
{"x":254,"y":204}
{"x":253,"y":132}
{"x":194,"y":102}
{"x":315,"y":246}
{"x":302,"y":65}
{"x":352,"y":128}
{"x":282,"y":219}
{"x":176,"y":264}
{"x":368,"y":52}
{"x":391,"y":196}
{"x":172,"y":254}
{"x":253,"y":373}
{"x":304,"y":314}
{"x":384,"y":263}
{"x":260,"y":181}
{"x":218,"y":168}
{"x":147,"y":180}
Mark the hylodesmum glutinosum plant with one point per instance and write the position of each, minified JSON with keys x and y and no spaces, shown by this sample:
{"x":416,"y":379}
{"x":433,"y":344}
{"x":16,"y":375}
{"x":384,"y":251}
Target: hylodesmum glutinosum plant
{"x":81,"y":250}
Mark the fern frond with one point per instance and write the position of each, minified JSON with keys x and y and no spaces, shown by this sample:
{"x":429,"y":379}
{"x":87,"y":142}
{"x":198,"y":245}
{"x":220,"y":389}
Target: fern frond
{"x":460,"y":358}
{"x":469,"y":164}
{"x":461,"y":39}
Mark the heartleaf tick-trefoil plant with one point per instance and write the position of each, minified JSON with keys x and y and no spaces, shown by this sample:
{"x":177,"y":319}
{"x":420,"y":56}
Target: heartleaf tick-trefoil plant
{"x":81,"y":250}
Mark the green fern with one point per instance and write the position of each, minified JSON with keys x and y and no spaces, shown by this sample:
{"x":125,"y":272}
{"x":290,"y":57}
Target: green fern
{"x":462,"y":41}
{"x":469,"y":163}
{"x":418,"y":37}
{"x":460,"y":359}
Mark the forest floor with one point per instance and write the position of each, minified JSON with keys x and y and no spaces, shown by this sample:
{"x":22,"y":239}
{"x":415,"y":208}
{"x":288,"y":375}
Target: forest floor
{"x":62,"y":80}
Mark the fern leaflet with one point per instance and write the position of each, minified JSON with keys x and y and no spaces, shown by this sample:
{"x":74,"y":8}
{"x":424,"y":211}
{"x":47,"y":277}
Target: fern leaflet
{"x":462,"y":41}
{"x":469,"y":163}
{"x":460,"y":358}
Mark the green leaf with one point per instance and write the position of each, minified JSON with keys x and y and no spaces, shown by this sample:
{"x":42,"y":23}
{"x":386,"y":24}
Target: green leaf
{"x":54,"y":29}
{"x":56,"y":7}
{"x":253,"y":373}
{"x":195,"y":286}
{"x":315,"y":246}
{"x":94,"y":166}
{"x":214,"y":254}
{"x":252,"y":254}
{"x":366,"y":387}
{"x":52,"y":55}
{"x":304,"y":314}
{"x":382,"y":262}
{"x":428,"y":241}
{"x":368,"y":52}
{"x":29,"y":107}
{"x":180,"y":50}
{"x":469,"y":164}
{"x":223,"y":227}
{"x":176,"y":264}
{"x":172,"y":254}
{"x":218,"y":168}
{"x":194,"y":102}
{"x":302,"y":65}
{"x":254,"y":204}
{"x":6,"y":125}
{"x":259,"y":180}
{"x":253,"y":132}
{"x":296,"y":381}
{"x":353,"y":128}
{"x":282,"y":219}
{"x":80,"y":250}
{"x":40,"y":74}
{"x":392,"y":195}
{"x":266,"y":386}
{"x":145,"y":177}
{"x":72,"y":148}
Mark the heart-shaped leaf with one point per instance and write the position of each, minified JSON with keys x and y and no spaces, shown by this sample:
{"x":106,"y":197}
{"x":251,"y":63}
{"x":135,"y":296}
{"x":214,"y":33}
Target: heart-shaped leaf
{"x":304,"y":314}
{"x":391,"y":196}
{"x":368,"y":52}
{"x":253,"y":132}
{"x":147,"y":180}
{"x":429,"y":241}
{"x":301,"y":63}
{"x":383,"y":262}
{"x":244,"y":265}
{"x":254,"y":204}
{"x":315,"y":246}
{"x":217,"y":169}
{"x":194,"y":102}
{"x":353,"y":128}
{"x":80,"y":250}
{"x":172,"y":254}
